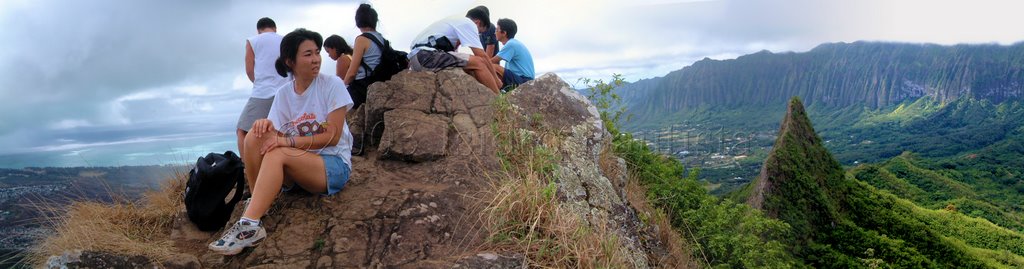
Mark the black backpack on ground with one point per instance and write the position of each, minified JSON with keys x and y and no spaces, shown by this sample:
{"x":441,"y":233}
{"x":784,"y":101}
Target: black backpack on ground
{"x":209,"y":183}
{"x":391,"y":61}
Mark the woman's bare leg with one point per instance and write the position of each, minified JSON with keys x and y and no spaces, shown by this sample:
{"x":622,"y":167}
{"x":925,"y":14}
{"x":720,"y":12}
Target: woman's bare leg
{"x":241,"y":142}
{"x":307,"y":169}
{"x":252,"y":161}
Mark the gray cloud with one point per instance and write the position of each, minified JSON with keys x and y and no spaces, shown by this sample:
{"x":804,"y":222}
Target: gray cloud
{"x":71,"y":54}
{"x":98,"y":69}
{"x":75,"y":55}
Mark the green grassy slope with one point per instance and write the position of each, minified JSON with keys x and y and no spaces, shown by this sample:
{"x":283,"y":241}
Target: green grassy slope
{"x":840,"y":221}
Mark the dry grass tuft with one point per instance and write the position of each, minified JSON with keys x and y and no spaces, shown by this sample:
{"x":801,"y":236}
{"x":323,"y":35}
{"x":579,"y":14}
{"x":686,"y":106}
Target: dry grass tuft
{"x":122,"y":227}
{"x":522,"y":213}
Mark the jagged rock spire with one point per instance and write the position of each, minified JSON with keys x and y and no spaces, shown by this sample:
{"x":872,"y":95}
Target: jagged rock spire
{"x":798,"y":179}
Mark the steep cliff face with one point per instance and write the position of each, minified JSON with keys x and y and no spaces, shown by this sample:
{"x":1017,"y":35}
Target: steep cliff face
{"x":860,"y":74}
{"x":416,"y":197}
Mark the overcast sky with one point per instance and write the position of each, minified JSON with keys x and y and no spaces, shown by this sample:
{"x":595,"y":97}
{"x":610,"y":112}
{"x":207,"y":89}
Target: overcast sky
{"x":139,"y":82}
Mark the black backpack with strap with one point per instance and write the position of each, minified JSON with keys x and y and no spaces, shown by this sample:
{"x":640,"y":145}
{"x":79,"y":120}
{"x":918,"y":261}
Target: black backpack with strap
{"x":209,"y":183}
{"x":391,"y":61}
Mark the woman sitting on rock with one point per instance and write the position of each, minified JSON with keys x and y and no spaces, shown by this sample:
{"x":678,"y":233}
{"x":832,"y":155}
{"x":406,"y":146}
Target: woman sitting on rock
{"x":304,"y":140}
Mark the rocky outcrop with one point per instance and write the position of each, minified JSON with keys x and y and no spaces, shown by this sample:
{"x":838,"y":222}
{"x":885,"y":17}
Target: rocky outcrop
{"x":583,"y":188}
{"x":408,"y":202}
{"x":413,"y":197}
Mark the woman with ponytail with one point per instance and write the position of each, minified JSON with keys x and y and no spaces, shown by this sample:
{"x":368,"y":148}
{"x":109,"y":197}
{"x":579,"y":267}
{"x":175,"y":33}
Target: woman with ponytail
{"x":366,"y":55}
{"x":304,"y":141}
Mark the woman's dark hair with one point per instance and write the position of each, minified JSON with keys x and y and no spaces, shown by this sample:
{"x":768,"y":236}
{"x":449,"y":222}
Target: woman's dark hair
{"x":508,"y":26}
{"x":337,"y":43}
{"x":265,"y":23}
{"x":366,"y":16}
{"x":290,"y":48}
{"x":480,"y":13}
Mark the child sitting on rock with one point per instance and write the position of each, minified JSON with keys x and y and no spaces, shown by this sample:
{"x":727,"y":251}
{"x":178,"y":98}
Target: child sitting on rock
{"x":518,"y":61}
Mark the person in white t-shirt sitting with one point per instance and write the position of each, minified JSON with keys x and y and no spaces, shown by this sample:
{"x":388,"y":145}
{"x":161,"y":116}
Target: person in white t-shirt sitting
{"x":434,"y":49}
{"x":304,"y":141}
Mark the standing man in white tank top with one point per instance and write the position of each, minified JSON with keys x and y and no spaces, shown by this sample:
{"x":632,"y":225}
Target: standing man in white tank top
{"x":261,"y":51}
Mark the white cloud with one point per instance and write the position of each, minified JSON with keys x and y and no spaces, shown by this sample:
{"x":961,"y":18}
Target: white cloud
{"x":70,"y":124}
{"x":155,"y":139}
{"x":193,"y":90}
{"x":241,"y":83}
{"x":75,"y":152}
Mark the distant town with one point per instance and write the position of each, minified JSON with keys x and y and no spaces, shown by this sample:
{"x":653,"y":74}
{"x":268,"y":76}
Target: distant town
{"x":723,"y":156}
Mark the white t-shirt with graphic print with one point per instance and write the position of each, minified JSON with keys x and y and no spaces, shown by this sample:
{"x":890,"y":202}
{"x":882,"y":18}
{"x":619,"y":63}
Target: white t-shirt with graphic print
{"x":305,"y":115}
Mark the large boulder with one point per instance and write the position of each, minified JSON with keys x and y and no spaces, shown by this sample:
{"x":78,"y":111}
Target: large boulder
{"x":423,"y":116}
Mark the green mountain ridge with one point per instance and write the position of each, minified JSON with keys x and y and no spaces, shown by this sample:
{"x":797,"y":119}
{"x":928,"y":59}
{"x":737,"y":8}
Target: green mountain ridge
{"x":839,"y":75}
{"x":839,"y":221}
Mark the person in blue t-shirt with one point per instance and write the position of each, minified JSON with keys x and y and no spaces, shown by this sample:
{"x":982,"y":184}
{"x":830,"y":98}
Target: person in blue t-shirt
{"x":518,"y":61}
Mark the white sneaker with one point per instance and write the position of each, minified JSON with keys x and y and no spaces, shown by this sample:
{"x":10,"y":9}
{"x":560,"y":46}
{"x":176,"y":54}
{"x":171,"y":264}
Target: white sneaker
{"x":241,"y":235}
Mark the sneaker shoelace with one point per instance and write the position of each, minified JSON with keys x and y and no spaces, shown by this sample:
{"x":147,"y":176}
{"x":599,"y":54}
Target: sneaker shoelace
{"x":232,"y":233}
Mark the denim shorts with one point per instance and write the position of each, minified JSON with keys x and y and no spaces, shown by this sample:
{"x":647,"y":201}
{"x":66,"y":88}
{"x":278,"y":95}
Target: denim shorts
{"x":337,"y":173}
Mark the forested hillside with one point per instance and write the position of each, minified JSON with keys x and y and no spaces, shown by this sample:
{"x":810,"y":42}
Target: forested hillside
{"x":839,"y":221}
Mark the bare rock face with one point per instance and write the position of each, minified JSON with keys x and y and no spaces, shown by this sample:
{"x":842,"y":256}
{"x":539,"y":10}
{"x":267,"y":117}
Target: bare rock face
{"x":488,"y":260}
{"x":101,"y":260}
{"x":412,"y":135}
{"x":553,"y":106}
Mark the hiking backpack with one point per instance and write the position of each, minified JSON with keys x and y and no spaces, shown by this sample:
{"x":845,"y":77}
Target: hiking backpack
{"x":391,"y":61}
{"x":209,"y":183}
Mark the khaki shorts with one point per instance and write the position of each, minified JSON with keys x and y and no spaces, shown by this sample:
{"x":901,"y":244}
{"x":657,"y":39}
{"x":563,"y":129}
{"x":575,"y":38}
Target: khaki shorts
{"x":256,"y":108}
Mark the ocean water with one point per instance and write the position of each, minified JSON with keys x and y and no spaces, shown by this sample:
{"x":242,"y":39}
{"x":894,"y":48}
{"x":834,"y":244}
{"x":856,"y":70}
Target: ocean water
{"x":172,"y":151}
